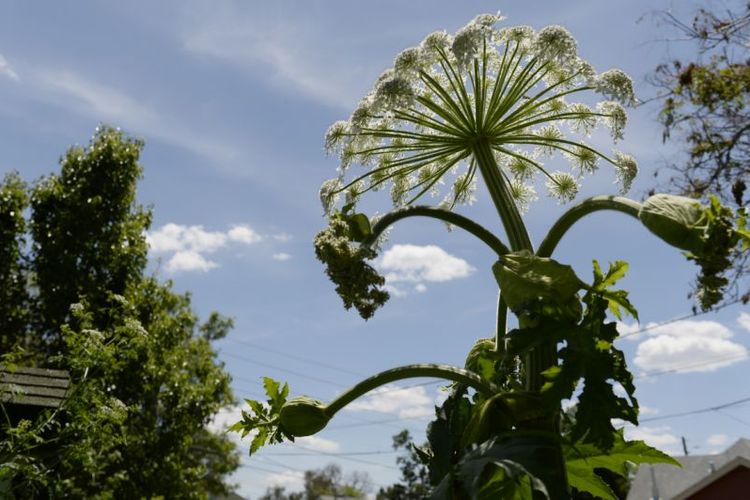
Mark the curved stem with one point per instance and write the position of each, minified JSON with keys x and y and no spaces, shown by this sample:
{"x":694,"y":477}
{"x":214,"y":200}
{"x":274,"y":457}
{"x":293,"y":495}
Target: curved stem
{"x":594,"y":204}
{"x":437,"y":213}
{"x":411,"y":371}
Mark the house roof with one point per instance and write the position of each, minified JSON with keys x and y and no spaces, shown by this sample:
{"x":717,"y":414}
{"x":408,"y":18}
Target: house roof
{"x":669,"y":482}
{"x":33,"y":386}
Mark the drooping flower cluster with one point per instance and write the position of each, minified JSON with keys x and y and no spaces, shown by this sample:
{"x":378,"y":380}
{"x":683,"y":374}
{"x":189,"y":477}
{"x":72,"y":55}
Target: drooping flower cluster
{"x":357,"y":283}
{"x":418,"y":126}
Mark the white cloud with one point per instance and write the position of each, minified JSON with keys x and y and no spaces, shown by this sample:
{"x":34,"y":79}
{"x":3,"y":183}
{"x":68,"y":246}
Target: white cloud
{"x":744,"y":320}
{"x":658,"y":437}
{"x":318,"y":444}
{"x":688,"y":346}
{"x":224,"y":418}
{"x":282,"y":237}
{"x":417,"y":264}
{"x":281,"y":256}
{"x":647,"y":410}
{"x":411,"y":402}
{"x":291,"y":480}
{"x":7,"y":70}
{"x":717,"y":440}
{"x":190,"y":244}
{"x":187,"y":260}
{"x":175,"y":237}
{"x":243,"y":234}
{"x":289,"y":52}
{"x":629,"y":330}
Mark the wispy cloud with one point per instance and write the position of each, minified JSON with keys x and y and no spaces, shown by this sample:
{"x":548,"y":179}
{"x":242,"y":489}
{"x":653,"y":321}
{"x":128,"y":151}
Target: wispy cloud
{"x":293,"y":53}
{"x":281,"y":256}
{"x":189,"y":245}
{"x":686,"y":346}
{"x":83,"y":95}
{"x":7,"y":70}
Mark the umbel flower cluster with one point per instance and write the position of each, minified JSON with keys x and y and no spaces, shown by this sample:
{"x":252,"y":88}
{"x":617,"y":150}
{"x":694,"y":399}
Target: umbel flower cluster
{"x":510,"y":86}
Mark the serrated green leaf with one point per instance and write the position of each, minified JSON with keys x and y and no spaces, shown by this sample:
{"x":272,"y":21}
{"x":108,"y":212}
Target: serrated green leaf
{"x":582,"y":459}
{"x":583,"y":478}
{"x":616,"y":271}
{"x":272,"y":388}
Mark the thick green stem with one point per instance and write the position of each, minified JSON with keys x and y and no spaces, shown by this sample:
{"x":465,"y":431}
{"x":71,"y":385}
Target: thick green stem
{"x":446,"y":372}
{"x":501,"y":196}
{"x":444,"y":215}
{"x":539,"y":359}
{"x":500,"y":323}
{"x":594,"y":204}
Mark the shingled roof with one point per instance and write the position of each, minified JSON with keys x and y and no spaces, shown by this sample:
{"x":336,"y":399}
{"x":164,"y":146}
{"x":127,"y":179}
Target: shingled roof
{"x":666,"y":482}
{"x":33,"y":386}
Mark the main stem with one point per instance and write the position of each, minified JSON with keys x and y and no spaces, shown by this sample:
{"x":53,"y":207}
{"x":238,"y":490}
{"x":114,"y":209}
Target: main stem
{"x":544,"y":356}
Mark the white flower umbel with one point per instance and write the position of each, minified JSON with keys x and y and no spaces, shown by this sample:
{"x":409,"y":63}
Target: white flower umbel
{"x":506,"y":88}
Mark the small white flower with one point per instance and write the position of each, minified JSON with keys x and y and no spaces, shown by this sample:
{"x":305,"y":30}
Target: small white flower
{"x":467,"y":43}
{"x":562,"y":186}
{"x":434,"y":43}
{"x":400,"y":188}
{"x":550,"y":134}
{"x":335,"y":134}
{"x":626,"y":169}
{"x":584,"y":159}
{"x":522,"y":35}
{"x":616,"y":85}
{"x":585,"y":121}
{"x":464,"y":189}
{"x":524,"y":194}
{"x":555,"y":43}
{"x":409,"y":62}
{"x":396,"y":92}
{"x":352,"y":192}
{"x":487,"y":20}
{"x":616,"y":118}
{"x":521,"y":167}
{"x":329,"y":193}
{"x":362,"y":114}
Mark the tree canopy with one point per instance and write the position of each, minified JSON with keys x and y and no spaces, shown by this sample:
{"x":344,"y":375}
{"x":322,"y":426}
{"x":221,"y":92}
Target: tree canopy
{"x":705,"y":111}
{"x":76,"y":296}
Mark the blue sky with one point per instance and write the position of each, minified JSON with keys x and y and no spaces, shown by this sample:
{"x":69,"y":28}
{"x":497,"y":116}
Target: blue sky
{"x":233,"y":99}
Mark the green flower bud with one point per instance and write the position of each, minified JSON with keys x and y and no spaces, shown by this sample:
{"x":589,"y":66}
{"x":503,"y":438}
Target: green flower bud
{"x":303,"y":416}
{"x":677,"y":220}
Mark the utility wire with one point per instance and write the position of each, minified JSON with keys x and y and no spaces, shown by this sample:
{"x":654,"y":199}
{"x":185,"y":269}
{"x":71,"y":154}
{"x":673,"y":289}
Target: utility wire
{"x":716,"y":408}
{"x":679,"y":318}
{"x":295,"y":357}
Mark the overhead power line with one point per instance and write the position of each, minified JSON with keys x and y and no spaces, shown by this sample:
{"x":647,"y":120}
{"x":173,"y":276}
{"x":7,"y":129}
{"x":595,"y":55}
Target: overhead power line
{"x":709,"y":409}
{"x":679,"y":318}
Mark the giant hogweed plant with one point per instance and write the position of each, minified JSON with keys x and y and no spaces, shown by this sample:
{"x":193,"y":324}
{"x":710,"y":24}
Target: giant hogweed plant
{"x":494,"y":103}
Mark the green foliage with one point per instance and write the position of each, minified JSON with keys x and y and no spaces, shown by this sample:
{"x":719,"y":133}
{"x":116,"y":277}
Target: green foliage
{"x":414,"y":483}
{"x":712,"y":236}
{"x":327,"y":481}
{"x":584,"y":463}
{"x":265,"y":418}
{"x":87,"y":230}
{"x":706,"y":111}
{"x":14,"y":298}
{"x":144,"y":376}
